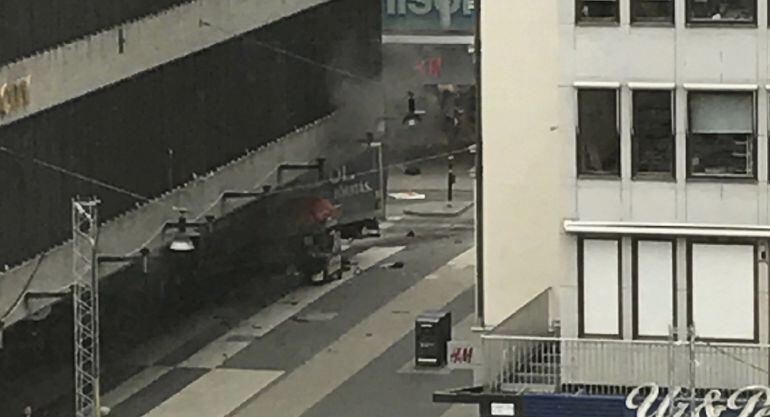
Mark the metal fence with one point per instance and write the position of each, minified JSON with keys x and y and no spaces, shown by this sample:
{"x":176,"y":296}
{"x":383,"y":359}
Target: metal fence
{"x":614,"y":367}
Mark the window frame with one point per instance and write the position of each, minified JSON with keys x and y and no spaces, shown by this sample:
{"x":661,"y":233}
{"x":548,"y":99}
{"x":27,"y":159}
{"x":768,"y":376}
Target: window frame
{"x":690,"y":22}
{"x":579,"y":21}
{"x":690,"y":294}
{"x":752,"y":140}
{"x":578,"y":160}
{"x":668,"y":22}
{"x":635,"y":174}
{"x":635,"y":285}
{"x":581,"y":287}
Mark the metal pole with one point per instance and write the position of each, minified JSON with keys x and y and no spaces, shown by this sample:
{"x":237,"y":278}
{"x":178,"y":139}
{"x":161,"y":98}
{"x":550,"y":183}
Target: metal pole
{"x":671,"y":364}
{"x":691,"y":336}
{"x":450,"y":177}
{"x":381,"y":169}
{"x":479,"y":204}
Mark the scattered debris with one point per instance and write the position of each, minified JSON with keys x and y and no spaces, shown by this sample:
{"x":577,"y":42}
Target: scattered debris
{"x":410,"y":233}
{"x":393,"y":265}
{"x":413,"y":170}
{"x":411,"y":195}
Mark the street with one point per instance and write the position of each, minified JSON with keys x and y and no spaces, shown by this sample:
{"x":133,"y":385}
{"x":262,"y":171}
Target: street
{"x":342,"y":349}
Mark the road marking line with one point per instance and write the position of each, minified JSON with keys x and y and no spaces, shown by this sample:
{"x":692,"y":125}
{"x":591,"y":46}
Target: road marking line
{"x":217,"y":352}
{"x":215,"y":394}
{"x":214,"y":354}
{"x":301,"y":389}
{"x":134,"y":384}
{"x":462,"y":410}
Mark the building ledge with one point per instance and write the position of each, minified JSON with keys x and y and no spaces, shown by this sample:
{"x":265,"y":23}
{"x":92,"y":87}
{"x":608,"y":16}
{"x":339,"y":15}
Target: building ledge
{"x":666,"y":229}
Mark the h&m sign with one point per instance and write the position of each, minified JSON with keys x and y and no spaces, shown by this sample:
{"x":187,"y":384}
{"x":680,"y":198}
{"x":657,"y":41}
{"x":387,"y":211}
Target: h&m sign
{"x":14,"y":96}
{"x":749,"y":401}
{"x":463,"y":355}
{"x":424,"y":7}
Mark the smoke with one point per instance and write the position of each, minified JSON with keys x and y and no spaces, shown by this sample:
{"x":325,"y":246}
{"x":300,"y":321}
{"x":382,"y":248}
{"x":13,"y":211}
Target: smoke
{"x":359,"y":101}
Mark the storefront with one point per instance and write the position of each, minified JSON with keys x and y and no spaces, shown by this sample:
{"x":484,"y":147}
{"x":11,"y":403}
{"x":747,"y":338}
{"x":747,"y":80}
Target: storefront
{"x":430,"y":54}
{"x":642,"y":401}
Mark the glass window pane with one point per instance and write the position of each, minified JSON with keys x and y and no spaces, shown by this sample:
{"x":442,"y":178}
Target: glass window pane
{"x":721,"y":112}
{"x":723,"y":155}
{"x":597,"y":10}
{"x":722,"y":10}
{"x":653,"y":139}
{"x":652,"y":11}
{"x":598,"y":141}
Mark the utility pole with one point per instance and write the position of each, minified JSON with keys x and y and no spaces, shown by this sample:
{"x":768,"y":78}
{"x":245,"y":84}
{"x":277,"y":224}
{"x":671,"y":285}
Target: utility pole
{"x":85,"y":303}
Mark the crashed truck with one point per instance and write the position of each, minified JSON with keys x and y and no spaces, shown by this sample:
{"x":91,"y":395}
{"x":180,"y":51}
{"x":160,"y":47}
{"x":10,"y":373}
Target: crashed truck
{"x":299,"y":225}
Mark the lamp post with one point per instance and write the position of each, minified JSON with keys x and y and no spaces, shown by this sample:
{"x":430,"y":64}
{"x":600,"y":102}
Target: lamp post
{"x":186,"y":234}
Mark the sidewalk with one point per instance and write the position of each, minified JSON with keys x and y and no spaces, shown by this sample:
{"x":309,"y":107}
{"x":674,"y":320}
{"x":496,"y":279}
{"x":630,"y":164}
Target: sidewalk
{"x":431,"y":183}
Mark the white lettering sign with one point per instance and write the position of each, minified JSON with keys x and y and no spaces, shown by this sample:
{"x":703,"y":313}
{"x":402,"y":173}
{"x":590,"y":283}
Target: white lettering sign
{"x":503,"y":409}
{"x":352,"y":189}
{"x":757,"y":404}
{"x":424,"y":7}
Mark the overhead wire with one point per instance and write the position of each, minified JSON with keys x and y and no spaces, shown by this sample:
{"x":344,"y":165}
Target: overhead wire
{"x":81,"y":177}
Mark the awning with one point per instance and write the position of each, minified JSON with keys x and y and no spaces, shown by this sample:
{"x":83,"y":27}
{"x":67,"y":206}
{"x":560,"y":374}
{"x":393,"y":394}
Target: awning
{"x":666,"y":229}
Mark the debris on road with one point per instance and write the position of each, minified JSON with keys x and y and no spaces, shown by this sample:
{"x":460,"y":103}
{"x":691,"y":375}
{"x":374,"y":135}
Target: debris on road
{"x":411,"y":195}
{"x":393,"y":265}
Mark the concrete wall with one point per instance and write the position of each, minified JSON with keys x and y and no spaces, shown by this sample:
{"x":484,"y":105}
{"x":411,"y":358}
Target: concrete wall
{"x":680,"y":54}
{"x":524,"y":160}
{"x":141,"y":227}
{"x":77,"y":68}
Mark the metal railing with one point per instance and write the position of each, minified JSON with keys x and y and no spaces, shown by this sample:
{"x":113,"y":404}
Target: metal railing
{"x":614,"y":367}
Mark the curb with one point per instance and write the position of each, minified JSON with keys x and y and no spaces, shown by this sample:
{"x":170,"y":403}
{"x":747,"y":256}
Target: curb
{"x":415,"y":210}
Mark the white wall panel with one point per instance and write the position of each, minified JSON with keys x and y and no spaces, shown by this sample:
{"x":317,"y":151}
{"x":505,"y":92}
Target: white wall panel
{"x":723,"y":291}
{"x":655,"y":280}
{"x":599,"y":200}
{"x":600,"y":287}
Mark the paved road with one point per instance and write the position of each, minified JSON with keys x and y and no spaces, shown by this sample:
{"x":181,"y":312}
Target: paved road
{"x":343,"y":349}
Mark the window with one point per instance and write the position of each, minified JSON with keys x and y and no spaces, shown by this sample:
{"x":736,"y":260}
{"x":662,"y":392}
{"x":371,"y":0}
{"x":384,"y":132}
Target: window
{"x":597,"y":136}
{"x":653,"y":133}
{"x":654,"y":11}
{"x":598,"y":11}
{"x":720,"y":142}
{"x":599,"y":290}
{"x":654,"y":283}
{"x":722,"y":289}
{"x":721,"y":11}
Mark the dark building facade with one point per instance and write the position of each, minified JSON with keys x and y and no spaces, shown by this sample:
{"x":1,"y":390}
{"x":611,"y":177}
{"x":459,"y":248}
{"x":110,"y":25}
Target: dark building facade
{"x":157,"y":129}
{"x":146,"y":135}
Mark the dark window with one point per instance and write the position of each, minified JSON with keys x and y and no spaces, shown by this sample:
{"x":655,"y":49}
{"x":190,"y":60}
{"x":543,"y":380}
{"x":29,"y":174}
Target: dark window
{"x":653,"y":133}
{"x":721,"y":11}
{"x":596,"y":11}
{"x":597,"y":138}
{"x":658,"y":11}
{"x":721,"y":137}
